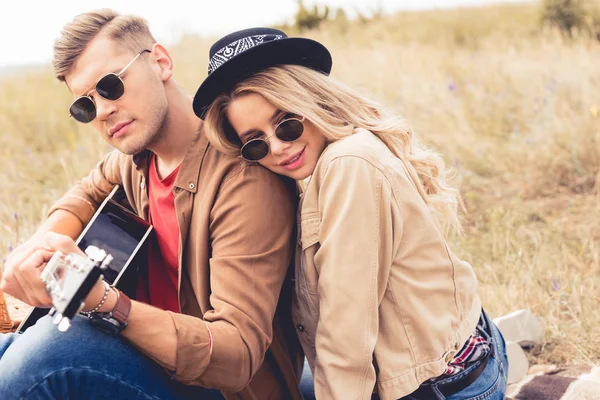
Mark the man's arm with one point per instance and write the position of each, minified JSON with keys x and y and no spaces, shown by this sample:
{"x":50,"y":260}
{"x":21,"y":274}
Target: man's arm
{"x":83,"y":198}
{"x":62,"y":222}
{"x":68,"y":216}
{"x":251,"y":227}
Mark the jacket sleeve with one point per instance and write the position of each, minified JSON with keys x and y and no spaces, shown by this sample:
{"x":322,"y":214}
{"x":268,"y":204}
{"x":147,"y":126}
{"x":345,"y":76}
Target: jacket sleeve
{"x":353,"y":262}
{"x":84,"y":198}
{"x":251,"y":225}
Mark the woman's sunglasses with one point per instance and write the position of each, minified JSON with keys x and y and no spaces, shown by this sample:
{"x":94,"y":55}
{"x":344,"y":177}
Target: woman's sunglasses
{"x":110,"y":87}
{"x":287,"y":130}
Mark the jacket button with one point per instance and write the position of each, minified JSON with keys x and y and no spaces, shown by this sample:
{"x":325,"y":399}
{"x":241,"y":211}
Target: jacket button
{"x":300,"y":327}
{"x":142,"y":185}
{"x":192,"y":186}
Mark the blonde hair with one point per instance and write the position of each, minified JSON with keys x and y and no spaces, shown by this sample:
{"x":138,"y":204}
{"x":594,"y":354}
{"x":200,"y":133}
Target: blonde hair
{"x":336,"y":111}
{"x":129,"y":31}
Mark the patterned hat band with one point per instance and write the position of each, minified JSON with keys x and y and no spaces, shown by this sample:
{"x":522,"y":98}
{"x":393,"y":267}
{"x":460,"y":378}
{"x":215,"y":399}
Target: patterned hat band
{"x":239,"y":46}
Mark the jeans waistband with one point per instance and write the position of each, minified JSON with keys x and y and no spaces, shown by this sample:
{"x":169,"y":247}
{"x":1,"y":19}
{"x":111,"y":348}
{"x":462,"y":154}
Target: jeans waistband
{"x":453,"y":384}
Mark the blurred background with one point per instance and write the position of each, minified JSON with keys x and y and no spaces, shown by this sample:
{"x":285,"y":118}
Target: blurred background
{"x":508,"y":92}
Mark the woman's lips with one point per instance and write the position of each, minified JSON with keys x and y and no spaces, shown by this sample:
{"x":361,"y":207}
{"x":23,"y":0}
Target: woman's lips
{"x":295,"y":161}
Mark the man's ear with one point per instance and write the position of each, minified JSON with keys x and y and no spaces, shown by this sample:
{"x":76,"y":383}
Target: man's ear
{"x":164,"y":61}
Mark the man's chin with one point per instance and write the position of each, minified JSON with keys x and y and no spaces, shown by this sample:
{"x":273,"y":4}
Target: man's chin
{"x":130,"y":150}
{"x":126,"y":145}
{"x":132,"y":145}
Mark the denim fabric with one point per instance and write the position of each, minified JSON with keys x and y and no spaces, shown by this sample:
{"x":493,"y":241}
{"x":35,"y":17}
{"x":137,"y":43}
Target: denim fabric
{"x":307,"y":384}
{"x":490,"y":385}
{"x":83,"y":363}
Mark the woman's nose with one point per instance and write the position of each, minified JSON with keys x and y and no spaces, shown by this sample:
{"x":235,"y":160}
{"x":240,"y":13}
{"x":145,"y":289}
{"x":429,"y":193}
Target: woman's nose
{"x":278,"y":146}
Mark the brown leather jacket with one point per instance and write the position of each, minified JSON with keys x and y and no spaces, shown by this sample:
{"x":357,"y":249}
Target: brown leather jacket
{"x":235,"y":222}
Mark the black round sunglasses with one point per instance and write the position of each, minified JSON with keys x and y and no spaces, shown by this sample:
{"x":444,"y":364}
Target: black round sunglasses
{"x":110,"y":87}
{"x":288,"y":130}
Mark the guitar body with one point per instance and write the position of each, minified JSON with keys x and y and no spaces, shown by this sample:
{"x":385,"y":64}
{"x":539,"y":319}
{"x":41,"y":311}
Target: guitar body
{"x":123,"y":235}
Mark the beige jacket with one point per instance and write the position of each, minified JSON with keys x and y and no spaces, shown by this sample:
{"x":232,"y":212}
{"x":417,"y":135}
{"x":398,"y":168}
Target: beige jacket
{"x":381,"y":303}
{"x":235,"y":225}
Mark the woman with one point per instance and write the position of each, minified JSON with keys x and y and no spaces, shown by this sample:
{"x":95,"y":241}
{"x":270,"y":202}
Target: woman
{"x":383,"y":308}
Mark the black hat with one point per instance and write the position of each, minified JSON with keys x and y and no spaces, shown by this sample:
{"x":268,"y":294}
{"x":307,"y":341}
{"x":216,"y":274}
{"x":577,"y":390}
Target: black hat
{"x":243,"y":53}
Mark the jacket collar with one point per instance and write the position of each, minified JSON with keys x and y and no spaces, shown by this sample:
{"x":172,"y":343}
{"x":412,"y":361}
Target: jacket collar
{"x":187,"y":178}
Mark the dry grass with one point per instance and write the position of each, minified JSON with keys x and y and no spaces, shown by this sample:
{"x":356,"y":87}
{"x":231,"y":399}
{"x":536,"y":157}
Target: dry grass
{"x":514,"y":110}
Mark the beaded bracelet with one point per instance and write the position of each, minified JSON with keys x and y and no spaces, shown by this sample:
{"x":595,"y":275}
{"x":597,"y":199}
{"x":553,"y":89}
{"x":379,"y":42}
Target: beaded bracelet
{"x":106,"y":290}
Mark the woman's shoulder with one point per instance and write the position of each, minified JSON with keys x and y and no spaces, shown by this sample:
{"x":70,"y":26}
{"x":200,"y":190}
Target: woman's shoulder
{"x":362,"y":144}
{"x":363,"y":152}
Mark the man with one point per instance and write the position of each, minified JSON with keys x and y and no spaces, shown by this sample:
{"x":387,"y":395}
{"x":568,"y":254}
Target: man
{"x":216,"y":269}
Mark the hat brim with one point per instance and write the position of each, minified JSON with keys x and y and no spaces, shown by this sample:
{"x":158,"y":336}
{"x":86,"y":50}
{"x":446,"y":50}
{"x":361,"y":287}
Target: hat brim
{"x":295,"y":51}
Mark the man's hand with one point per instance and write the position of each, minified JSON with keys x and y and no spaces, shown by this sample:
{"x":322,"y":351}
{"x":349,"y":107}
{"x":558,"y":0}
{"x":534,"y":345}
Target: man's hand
{"x":66,"y":245}
{"x":23,"y":267}
{"x":22,"y":270}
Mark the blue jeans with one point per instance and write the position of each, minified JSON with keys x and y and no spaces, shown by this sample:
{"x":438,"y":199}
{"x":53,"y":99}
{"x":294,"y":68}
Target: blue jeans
{"x":307,"y":385}
{"x":83,"y":363}
{"x":490,"y":385}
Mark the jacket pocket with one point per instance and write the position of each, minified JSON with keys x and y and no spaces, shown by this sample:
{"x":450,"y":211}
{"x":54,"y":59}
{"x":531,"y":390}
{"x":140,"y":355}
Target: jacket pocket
{"x":309,"y":230}
{"x":309,"y":242}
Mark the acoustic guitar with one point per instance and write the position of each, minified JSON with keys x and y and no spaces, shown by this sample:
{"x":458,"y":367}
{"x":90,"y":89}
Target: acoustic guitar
{"x":115,"y":243}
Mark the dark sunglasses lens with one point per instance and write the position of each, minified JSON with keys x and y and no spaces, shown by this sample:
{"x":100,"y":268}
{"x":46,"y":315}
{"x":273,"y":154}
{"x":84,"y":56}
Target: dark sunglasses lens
{"x":290,"y":130}
{"x":83,"y":110}
{"x":110,"y":87}
{"x":255,"y":150}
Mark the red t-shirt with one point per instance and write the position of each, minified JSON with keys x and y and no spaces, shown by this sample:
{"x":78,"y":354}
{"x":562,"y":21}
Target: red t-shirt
{"x":161,"y":289}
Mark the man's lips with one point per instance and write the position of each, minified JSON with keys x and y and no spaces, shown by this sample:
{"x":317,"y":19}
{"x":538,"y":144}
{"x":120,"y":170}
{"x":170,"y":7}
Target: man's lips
{"x":116,"y":130}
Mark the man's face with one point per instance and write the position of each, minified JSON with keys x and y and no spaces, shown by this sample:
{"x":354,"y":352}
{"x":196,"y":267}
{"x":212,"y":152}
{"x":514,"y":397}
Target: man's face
{"x":133,"y":122}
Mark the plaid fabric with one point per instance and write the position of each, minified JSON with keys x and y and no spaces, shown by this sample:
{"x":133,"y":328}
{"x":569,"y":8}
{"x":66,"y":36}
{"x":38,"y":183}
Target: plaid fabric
{"x":475,"y":348}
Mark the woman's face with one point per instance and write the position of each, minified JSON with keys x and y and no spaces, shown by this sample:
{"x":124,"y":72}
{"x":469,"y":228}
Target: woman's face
{"x":252,"y":117}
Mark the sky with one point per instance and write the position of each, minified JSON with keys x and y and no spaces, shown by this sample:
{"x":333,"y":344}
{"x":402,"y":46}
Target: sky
{"x":29,"y":27}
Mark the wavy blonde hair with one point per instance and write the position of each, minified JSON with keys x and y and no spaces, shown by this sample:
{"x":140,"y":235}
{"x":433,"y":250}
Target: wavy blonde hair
{"x":336,"y":111}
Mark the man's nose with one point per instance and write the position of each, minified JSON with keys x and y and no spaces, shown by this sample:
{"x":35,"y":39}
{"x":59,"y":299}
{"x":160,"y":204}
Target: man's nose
{"x":104,"y":108}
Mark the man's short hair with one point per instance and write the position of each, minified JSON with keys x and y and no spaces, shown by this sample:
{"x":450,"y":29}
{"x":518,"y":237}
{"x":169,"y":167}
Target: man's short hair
{"x":129,"y":31}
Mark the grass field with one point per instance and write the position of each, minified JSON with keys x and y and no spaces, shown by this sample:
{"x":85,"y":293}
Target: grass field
{"x":514,"y":110}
